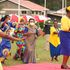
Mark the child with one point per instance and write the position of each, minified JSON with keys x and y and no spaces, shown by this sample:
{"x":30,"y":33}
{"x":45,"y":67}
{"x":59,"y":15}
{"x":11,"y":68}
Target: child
{"x":19,"y":32}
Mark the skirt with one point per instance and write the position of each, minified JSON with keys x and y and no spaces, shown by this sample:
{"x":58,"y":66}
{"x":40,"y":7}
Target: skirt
{"x":65,"y":43}
{"x":54,"y":51}
{"x":1,"y":51}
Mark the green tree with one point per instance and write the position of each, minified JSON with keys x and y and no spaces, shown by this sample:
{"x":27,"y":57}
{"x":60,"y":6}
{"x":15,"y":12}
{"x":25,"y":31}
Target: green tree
{"x":51,"y":4}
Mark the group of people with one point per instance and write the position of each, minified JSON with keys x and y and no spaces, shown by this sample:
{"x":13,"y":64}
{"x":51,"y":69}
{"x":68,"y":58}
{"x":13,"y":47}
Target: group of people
{"x":25,"y":36}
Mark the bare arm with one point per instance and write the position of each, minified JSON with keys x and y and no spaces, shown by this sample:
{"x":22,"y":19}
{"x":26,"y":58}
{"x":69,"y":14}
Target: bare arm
{"x":28,"y":33}
{"x":8,"y":37}
{"x":55,"y":33}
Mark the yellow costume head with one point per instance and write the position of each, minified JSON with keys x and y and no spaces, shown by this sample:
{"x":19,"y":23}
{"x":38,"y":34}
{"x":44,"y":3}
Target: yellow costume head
{"x":68,"y":9}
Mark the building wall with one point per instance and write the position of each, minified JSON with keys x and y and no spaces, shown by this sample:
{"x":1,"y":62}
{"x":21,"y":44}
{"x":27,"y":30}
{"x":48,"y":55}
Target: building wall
{"x":10,"y":5}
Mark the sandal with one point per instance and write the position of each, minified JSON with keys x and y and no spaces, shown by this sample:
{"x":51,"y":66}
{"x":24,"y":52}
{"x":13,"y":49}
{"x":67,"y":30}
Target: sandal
{"x":64,"y":67}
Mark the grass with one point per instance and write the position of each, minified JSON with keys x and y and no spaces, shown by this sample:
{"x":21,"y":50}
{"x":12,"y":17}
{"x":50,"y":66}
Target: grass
{"x":42,"y":54}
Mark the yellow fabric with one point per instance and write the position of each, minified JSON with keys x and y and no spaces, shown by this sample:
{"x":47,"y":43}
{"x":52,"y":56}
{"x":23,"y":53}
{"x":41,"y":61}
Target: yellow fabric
{"x":65,"y":23}
{"x":1,"y":68}
{"x":0,"y":40}
{"x":54,"y":39}
{"x":0,"y":37}
{"x":68,"y":8}
{"x":2,"y":59}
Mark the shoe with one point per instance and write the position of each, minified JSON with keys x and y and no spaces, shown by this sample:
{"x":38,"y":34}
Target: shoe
{"x":64,"y":67}
{"x":56,"y":59}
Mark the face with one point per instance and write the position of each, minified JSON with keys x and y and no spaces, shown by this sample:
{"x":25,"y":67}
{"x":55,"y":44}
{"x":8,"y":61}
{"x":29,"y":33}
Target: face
{"x":56,"y":24}
{"x":21,"y":24}
{"x":32,"y":22}
{"x":68,"y":14}
{"x":7,"y":19}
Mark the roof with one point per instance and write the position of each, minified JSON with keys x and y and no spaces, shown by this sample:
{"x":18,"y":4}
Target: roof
{"x":61,"y":11}
{"x":30,"y":5}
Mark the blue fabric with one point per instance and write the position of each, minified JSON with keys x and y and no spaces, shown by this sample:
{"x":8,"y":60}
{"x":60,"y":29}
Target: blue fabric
{"x":1,"y":51}
{"x":54,"y":51}
{"x":11,"y":25}
{"x":4,"y":28}
{"x":5,"y":43}
{"x":65,"y":43}
{"x":26,"y":30}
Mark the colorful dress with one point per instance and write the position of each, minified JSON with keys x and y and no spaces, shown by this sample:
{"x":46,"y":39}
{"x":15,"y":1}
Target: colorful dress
{"x":18,"y":33}
{"x":5,"y":43}
{"x":65,"y":36}
{"x":54,"y":42}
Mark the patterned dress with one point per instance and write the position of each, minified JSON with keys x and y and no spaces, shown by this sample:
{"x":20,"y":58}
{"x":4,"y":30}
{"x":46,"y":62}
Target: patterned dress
{"x":18,"y":33}
{"x":31,"y":43}
{"x":5,"y":43}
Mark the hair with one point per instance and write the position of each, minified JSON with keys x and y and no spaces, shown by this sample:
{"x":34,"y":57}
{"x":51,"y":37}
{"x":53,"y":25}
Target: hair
{"x":31,"y":19}
{"x":4,"y":18}
{"x":55,"y":20}
{"x":22,"y":20}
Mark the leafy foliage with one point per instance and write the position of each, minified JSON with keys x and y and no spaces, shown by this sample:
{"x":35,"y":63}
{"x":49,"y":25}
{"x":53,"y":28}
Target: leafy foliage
{"x":51,"y":4}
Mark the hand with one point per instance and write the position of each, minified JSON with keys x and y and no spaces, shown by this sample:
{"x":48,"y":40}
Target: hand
{"x":69,"y":29}
{"x":55,"y":33}
{"x":19,"y":39}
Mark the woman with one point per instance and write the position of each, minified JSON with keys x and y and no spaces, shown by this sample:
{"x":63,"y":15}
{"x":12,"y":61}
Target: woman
{"x":5,"y":44}
{"x":19,"y":33}
{"x":65,"y":38}
{"x":29,"y":56}
{"x":2,"y":34}
{"x":54,"y":41}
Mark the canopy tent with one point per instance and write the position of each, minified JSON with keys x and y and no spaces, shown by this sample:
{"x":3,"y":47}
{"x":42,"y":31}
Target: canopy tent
{"x":14,"y":18}
{"x":41,"y":18}
{"x":27,"y":17}
{"x":38,"y":18}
